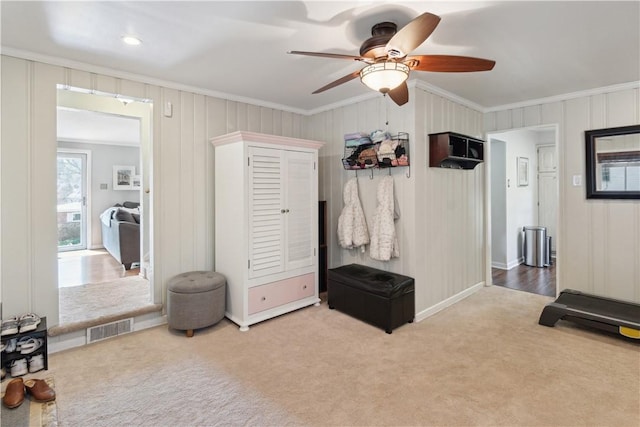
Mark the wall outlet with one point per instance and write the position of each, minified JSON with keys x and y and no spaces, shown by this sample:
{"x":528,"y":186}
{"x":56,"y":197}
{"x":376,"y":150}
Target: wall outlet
{"x":104,"y":186}
{"x":577,"y":180}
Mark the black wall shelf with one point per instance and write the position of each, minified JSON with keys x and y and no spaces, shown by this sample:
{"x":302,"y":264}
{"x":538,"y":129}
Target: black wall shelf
{"x":455,"y":151}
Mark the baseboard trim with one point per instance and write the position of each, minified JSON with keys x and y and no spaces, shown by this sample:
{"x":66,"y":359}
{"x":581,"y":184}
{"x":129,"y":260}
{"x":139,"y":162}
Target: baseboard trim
{"x":448,"y":302}
{"x":509,"y":266}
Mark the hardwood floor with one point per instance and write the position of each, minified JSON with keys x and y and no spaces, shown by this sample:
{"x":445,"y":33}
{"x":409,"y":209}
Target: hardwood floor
{"x":77,"y":268}
{"x":536,"y":280}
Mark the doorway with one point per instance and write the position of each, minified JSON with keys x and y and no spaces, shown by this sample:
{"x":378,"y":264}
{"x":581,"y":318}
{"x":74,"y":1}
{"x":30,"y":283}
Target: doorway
{"x":521,"y":197}
{"x":72,"y":184}
{"x":95,"y":280}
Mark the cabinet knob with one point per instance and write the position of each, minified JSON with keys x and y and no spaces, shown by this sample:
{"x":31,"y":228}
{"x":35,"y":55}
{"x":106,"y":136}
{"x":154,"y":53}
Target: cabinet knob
{"x":304,"y":287}
{"x":264,"y":298}
{"x":282,"y":211}
{"x":287,"y":210}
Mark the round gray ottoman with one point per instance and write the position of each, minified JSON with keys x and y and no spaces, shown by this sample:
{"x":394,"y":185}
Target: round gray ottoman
{"x":195,"y":300}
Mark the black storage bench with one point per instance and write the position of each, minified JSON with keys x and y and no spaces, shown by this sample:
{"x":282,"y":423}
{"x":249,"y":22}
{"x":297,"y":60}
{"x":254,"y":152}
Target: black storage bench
{"x":381,"y":298}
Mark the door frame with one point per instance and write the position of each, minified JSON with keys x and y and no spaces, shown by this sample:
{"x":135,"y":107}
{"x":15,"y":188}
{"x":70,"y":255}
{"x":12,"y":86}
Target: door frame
{"x":143,"y":110}
{"x":487,"y":197}
{"x":87,"y":178}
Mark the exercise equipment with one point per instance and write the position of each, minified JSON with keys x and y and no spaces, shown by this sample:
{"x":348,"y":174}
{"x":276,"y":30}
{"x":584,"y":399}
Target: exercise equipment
{"x":607,"y":314}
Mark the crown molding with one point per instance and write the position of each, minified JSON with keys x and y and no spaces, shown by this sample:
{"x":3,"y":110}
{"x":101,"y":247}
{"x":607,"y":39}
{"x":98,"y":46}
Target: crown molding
{"x":61,"y":62}
{"x":53,"y":60}
{"x":451,"y":96}
{"x":565,"y":97}
{"x":32,"y":56}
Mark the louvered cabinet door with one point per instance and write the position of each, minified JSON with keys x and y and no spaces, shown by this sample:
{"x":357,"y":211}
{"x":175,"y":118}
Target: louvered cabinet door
{"x":266,"y":216}
{"x":300,"y":204}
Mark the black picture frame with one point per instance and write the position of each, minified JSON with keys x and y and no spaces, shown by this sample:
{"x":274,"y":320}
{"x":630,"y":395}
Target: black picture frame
{"x":591,"y":137}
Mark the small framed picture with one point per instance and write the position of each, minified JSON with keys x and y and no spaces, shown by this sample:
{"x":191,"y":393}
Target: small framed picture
{"x":123,"y":177}
{"x":136,"y":183}
{"x":523,"y":171}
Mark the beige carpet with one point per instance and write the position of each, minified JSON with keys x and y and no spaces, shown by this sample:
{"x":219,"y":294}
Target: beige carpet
{"x":484,"y":361}
{"x":80,"y":303}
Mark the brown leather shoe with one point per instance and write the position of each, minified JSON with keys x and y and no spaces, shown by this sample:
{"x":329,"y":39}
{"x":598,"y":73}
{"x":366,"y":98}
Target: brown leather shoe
{"x":40,"y":390}
{"x":14,"y":395}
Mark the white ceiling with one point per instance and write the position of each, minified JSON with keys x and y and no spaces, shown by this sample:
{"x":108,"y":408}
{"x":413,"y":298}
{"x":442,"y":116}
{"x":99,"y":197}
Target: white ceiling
{"x":238,"y":48}
{"x":93,"y":127}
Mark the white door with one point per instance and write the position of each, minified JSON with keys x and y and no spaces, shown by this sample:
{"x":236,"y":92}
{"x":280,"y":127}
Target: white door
{"x":300,"y":205}
{"x":72,"y":200}
{"x":547,"y":191}
{"x":547,"y":158}
{"x":266,"y":212}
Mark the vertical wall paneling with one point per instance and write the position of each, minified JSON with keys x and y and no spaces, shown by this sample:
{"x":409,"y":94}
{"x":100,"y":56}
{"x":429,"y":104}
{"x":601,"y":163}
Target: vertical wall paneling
{"x":200,"y":226}
{"x":439,"y":209}
{"x":170,"y":213}
{"x":242,"y":117}
{"x":181,"y":188}
{"x":106,"y":84}
{"x":232,"y":117}
{"x":254,"y":118}
{"x":266,"y":120}
{"x":597,"y":247}
{"x":42,"y":175}
{"x":188,"y":185}
{"x":217,"y":123}
{"x":17,"y":76}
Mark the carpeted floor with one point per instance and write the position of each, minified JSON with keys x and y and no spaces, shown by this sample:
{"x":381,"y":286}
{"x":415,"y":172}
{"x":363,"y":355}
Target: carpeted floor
{"x":482,"y":362}
{"x":81,"y":303}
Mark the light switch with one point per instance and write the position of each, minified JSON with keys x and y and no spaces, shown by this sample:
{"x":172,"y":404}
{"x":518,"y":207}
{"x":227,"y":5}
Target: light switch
{"x":104,"y":186}
{"x":577,"y":180}
{"x":168,"y":109}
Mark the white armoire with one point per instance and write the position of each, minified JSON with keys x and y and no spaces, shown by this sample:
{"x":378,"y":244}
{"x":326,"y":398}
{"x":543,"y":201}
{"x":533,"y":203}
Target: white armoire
{"x":266,"y":224}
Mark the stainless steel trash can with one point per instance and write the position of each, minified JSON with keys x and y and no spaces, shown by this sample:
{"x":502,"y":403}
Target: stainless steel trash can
{"x":534,"y":246}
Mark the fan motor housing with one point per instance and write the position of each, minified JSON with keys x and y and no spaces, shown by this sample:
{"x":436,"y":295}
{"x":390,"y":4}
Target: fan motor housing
{"x":381,"y":33}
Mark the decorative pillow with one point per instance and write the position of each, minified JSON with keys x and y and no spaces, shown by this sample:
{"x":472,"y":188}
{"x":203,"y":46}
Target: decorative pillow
{"x":136,"y":218}
{"x":131,"y":205}
{"x":124,"y":215}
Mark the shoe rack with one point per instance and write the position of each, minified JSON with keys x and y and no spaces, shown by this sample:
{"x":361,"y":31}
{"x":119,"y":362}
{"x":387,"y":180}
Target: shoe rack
{"x":39,"y":332}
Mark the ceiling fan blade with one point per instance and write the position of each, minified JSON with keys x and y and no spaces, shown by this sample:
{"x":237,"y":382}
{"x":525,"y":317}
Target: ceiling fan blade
{"x":400,"y":95}
{"x":449,"y":63}
{"x":341,"y":80}
{"x":412,"y":35}
{"x":327,"y":55}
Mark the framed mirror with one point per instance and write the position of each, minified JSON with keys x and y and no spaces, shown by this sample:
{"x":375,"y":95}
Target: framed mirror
{"x":613,"y":163}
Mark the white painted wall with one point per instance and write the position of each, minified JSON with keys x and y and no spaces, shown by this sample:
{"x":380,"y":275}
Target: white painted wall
{"x":598,"y":245}
{"x":104,"y":157}
{"x":521,"y":200}
{"x":499,"y":204}
{"x":441,"y":224}
{"x":182,"y":172}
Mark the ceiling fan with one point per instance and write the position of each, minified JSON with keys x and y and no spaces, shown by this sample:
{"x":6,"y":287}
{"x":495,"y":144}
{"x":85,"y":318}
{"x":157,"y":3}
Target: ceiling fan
{"x":388,"y":64}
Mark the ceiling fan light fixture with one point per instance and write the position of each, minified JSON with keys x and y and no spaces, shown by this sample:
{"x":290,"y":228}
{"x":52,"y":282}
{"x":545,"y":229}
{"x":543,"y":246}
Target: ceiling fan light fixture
{"x":384,"y":76}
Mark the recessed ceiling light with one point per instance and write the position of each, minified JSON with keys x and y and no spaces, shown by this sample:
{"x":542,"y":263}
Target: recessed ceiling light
{"x":131,"y":40}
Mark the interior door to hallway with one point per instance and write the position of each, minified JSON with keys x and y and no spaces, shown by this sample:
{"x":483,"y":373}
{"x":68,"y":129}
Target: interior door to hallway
{"x":547,"y":191}
{"x":72,"y":184}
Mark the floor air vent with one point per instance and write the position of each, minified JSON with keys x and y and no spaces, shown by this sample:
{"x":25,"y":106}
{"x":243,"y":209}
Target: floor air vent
{"x":108,"y":330}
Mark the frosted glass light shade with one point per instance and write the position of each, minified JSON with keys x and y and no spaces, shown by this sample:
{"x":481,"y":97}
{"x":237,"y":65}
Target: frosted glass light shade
{"x":384,"y":76}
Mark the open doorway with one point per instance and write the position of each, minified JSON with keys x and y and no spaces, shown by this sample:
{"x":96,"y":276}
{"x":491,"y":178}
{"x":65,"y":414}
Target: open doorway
{"x":106,"y":274}
{"x":524,"y":194}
